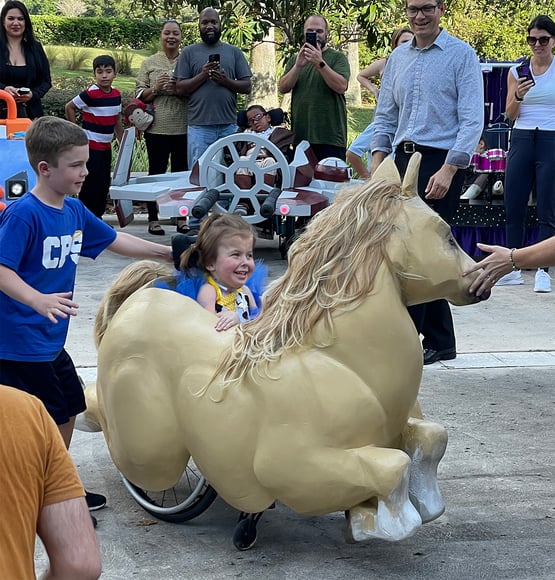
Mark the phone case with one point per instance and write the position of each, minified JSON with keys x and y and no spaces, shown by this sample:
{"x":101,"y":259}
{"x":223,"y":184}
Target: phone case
{"x":311,"y":38}
{"x":523,"y":70}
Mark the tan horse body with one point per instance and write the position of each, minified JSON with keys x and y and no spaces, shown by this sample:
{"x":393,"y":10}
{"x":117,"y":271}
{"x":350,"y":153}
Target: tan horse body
{"x":323,"y":425}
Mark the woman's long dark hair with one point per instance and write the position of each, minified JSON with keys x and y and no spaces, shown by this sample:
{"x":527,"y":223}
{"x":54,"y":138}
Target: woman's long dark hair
{"x":29,"y":36}
{"x":543,"y":22}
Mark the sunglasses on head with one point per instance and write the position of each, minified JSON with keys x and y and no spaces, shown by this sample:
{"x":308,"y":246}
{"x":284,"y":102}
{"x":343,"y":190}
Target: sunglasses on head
{"x":543,"y":40}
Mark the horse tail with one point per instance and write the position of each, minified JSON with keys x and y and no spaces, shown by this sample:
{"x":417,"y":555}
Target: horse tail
{"x":137,"y":275}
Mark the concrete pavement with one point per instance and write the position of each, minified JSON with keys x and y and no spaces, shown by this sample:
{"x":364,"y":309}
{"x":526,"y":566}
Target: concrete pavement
{"x":497,"y":401}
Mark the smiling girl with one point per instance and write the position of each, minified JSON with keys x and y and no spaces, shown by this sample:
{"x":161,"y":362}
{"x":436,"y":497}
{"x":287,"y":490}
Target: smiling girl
{"x":224,"y":253}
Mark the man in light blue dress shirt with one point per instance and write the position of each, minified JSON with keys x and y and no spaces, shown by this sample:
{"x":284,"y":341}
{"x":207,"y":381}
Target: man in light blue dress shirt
{"x":431,"y":101}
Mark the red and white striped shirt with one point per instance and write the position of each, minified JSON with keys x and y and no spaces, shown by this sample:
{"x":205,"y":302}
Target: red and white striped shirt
{"x":100,"y":112}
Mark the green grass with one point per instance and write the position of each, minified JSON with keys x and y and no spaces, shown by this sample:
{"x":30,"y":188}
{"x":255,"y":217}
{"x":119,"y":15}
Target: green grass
{"x":358,"y":119}
{"x":126,"y":84}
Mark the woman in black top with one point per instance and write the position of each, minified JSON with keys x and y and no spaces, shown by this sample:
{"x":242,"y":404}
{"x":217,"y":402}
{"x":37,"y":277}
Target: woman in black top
{"x":23,"y":62}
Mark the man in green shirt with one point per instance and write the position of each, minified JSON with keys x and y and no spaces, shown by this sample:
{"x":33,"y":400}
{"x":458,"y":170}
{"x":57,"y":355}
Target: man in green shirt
{"x":318,"y":78}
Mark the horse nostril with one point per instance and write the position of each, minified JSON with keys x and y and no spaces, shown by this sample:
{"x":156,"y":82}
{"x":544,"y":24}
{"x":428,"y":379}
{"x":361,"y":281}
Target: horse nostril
{"x":485,"y":295}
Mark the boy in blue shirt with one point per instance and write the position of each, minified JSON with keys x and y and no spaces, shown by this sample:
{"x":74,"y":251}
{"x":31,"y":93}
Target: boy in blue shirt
{"x":42,"y":236}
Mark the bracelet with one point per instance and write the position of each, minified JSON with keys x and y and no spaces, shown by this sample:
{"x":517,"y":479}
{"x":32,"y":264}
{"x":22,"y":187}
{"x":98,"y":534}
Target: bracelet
{"x":518,"y":99}
{"x":512,"y":260}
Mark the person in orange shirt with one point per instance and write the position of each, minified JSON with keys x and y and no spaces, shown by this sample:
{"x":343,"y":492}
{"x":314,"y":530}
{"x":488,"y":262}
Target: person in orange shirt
{"x":42,"y":495}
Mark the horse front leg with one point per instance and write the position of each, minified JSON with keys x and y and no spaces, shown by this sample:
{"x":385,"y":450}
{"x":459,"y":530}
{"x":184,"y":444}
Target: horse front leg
{"x":389,"y":515}
{"x":371,"y":483}
{"x":425,"y":443}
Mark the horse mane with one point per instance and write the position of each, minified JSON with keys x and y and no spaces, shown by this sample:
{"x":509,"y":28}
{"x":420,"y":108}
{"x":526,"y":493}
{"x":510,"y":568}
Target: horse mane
{"x":332,"y":265}
{"x":137,"y":275}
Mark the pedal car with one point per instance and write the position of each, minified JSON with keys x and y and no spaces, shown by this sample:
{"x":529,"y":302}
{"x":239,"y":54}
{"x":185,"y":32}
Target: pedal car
{"x":278,"y":198}
{"x":16,"y":175}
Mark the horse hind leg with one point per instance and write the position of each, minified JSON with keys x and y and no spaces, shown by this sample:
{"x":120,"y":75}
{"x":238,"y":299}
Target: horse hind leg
{"x":425,"y":443}
{"x":88,"y":420}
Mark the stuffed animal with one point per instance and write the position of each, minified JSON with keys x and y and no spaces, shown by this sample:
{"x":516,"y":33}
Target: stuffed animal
{"x":139,"y":114}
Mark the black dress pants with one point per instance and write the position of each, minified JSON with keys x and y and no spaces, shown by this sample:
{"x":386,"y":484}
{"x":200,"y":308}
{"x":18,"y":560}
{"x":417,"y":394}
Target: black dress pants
{"x":433,"y":320}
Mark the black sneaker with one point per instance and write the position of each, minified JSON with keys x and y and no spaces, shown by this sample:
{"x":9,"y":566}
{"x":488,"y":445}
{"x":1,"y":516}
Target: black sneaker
{"x":95,"y":501}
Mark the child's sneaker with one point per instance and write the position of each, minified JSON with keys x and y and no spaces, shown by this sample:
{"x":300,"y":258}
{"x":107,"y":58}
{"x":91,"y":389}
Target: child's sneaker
{"x":95,"y":501}
{"x":472,"y":192}
{"x":511,"y":279}
{"x":497,"y":188}
{"x":542,"y":282}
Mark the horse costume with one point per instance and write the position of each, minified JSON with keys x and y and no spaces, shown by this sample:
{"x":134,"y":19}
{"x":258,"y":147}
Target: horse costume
{"x":314,"y":403}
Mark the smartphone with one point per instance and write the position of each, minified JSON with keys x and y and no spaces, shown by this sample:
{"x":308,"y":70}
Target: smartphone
{"x":310,"y":38}
{"x":23,"y":91}
{"x":214,"y":58}
{"x":523,"y":70}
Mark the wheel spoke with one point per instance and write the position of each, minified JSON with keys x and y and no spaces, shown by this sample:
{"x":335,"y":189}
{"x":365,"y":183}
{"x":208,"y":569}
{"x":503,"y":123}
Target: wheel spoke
{"x":188,"y":498}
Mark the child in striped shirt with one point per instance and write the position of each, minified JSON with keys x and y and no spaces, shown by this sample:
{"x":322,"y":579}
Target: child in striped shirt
{"x":100,"y":106}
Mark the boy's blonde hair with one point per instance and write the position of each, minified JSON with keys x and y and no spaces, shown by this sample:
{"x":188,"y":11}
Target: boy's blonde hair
{"x":49,"y":137}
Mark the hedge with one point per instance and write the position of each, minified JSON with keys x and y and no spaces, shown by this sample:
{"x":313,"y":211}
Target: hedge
{"x":115,"y":33}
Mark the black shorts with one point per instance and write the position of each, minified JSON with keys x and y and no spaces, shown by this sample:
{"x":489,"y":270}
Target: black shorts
{"x":55,"y":383}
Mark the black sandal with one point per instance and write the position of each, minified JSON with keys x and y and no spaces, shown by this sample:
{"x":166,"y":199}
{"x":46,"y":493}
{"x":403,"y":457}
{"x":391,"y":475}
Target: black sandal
{"x":182,"y":228}
{"x":156,"y":230}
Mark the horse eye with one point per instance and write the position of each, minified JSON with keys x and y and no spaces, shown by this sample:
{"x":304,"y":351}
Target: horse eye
{"x":452,"y":241}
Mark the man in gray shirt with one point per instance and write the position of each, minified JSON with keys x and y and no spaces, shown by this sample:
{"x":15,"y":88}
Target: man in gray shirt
{"x":431,"y":101}
{"x":211,"y":73}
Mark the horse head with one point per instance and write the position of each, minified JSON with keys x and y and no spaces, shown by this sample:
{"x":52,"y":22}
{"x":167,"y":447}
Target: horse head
{"x":423,"y":251}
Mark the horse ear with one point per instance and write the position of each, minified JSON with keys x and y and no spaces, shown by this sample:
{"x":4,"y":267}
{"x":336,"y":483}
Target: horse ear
{"x":410,"y":181}
{"x":387,"y":170}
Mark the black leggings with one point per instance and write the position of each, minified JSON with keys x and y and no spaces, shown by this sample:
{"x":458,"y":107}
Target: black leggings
{"x":530,"y":162}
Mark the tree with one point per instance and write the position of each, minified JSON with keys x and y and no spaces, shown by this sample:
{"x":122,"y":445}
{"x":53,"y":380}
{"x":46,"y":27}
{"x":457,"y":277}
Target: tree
{"x":245,"y":21}
{"x":71,"y":7}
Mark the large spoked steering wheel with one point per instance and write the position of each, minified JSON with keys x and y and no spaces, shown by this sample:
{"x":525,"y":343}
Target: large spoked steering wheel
{"x":214,"y":173}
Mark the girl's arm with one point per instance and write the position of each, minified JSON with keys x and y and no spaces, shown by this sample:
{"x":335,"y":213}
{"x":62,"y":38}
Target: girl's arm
{"x":207,"y":298}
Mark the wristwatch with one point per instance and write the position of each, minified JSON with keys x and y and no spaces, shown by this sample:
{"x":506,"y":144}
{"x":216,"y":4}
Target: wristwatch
{"x":322,"y":64}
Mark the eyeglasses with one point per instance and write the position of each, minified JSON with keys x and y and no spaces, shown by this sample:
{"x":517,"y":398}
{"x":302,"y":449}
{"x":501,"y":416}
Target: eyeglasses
{"x":428,"y":10}
{"x":543,"y":40}
{"x":256,"y":118}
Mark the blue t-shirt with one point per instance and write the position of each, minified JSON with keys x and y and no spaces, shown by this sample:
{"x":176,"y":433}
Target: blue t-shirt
{"x":42,"y":244}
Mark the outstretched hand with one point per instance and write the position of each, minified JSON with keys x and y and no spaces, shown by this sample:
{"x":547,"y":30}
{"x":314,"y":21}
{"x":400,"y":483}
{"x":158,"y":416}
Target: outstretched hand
{"x":496,"y":265}
{"x":54,"y":306}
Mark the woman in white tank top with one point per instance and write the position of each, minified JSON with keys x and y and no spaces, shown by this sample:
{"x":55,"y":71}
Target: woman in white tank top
{"x":531,"y":158}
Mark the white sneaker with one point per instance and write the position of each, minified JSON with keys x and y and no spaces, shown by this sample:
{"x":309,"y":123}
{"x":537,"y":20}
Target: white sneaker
{"x":497,"y":188}
{"x":472,"y":192}
{"x":511,"y":279}
{"x":542,"y":282}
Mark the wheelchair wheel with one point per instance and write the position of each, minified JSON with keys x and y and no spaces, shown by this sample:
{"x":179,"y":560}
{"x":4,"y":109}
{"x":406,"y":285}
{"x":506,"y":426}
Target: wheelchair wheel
{"x":190,"y":497}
